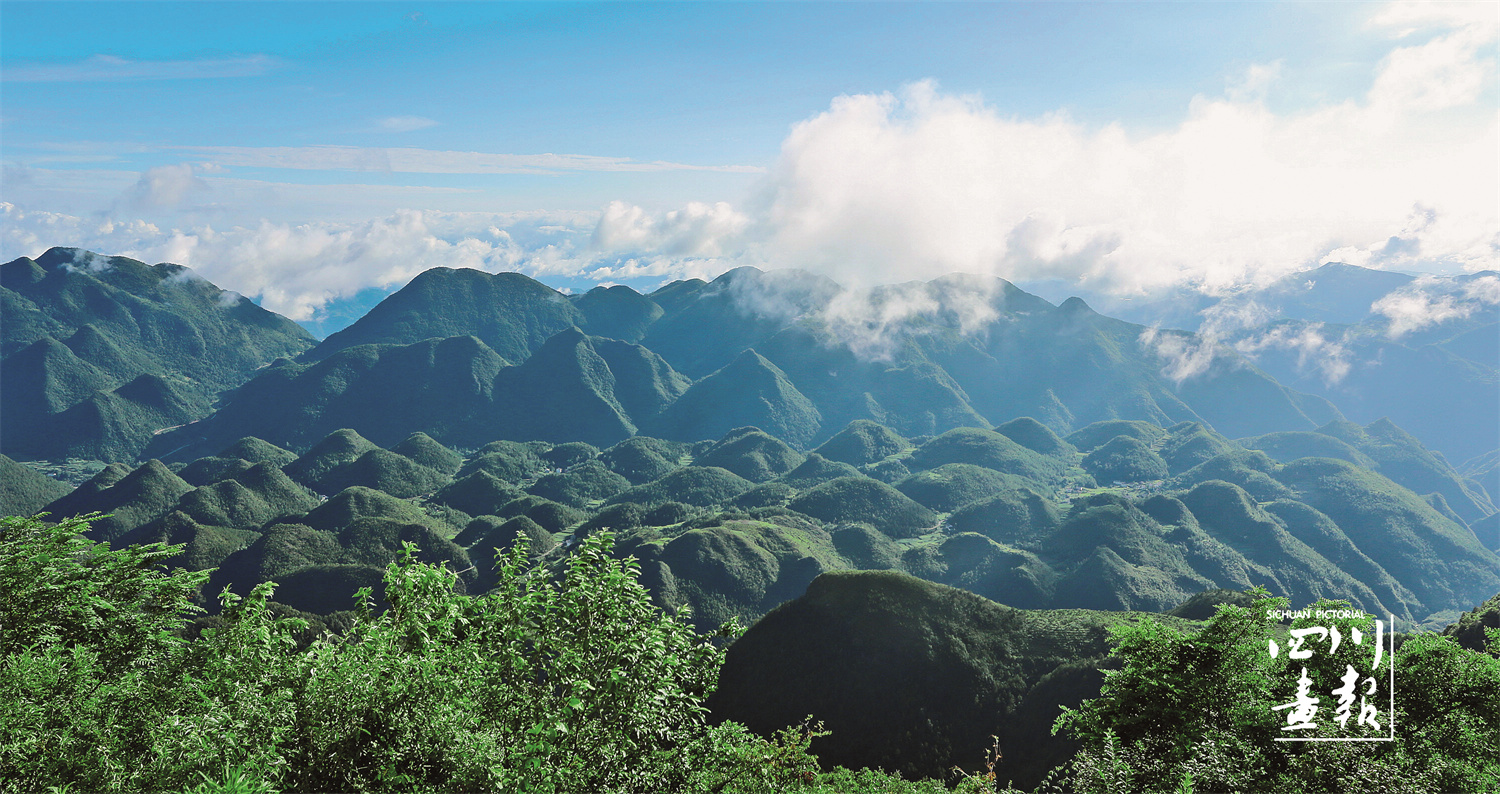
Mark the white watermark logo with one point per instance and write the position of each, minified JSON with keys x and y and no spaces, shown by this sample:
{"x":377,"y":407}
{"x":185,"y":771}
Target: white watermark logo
{"x":1357,"y":698}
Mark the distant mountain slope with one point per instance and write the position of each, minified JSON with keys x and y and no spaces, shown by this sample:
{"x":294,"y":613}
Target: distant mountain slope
{"x":100,"y":352}
{"x":509,"y":312}
{"x":1422,"y":351}
{"x":456,"y":390}
{"x":792,"y":353}
{"x":1447,"y":400}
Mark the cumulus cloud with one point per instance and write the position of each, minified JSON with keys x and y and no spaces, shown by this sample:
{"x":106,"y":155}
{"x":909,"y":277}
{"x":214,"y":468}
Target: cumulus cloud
{"x":697,"y":230}
{"x":1430,"y":301}
{"x":917,"y":183}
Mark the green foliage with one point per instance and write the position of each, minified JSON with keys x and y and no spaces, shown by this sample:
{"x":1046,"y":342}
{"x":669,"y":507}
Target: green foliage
{"x":577,"y":684}
{"x":60,"y":591}
{"x":1196,"y":710}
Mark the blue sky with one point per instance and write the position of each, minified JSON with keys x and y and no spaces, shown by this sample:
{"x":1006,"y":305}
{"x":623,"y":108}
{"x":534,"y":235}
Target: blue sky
{"x":306,"y":153}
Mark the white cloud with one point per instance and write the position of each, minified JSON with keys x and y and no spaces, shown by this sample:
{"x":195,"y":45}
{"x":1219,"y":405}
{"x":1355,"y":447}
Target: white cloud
{"x":107,"y":68}
{"x":1189,"y":355}
{"x":1326,"y":356}
{"x":295,"y":269}
{"x":889,"y":187}
{"x":697,"y":230}
{"x":405,"y":123}
{"x":1431,"y":301}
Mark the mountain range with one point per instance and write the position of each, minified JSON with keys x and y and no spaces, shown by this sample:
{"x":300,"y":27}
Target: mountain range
{"x":954,"y":481}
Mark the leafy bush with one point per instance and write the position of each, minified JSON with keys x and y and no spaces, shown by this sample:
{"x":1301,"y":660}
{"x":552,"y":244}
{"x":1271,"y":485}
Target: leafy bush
{"x":1196,"y":712}
{"x":551,"y":685}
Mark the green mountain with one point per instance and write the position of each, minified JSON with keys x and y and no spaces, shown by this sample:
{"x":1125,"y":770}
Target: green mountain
{"x":100,"y":352}
{"x":749,"y":391}
{"x":916,"y":677}
{"x":1470,"y":629}
{"x":1441,"y":562}
{"x":751,"y":453}
{"x":131,"y":498}
{"x":1124,"y":459}
{"x":642,"y":459}
{"x":579,"y":388}
{"x":385,"y":392}
{"x":334,"y":450}
{"x":25,"y":491}
{"x":421,"y":449}
{"x":581,"y":485}
{"x":863,"y":442}
{"x":511,"y":313}
{"x":618,"y":312}
{"x":700,"y":486}
{"x":990,"y":450}
{"x":861,"y":499}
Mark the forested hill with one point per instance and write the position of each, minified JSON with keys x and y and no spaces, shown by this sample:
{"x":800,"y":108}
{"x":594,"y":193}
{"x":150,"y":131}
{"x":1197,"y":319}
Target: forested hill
{"x":1119,"y":515}
{"x":469,"y":357}
{"x":99,"y":352}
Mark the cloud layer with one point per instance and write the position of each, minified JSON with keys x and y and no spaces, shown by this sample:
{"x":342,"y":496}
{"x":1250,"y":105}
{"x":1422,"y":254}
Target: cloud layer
{"x":878,"y":189}
{"x":894,"y":186}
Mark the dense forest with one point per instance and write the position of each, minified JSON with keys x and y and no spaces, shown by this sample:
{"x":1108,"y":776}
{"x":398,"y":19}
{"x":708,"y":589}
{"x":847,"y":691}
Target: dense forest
{"x":491,"y":537}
